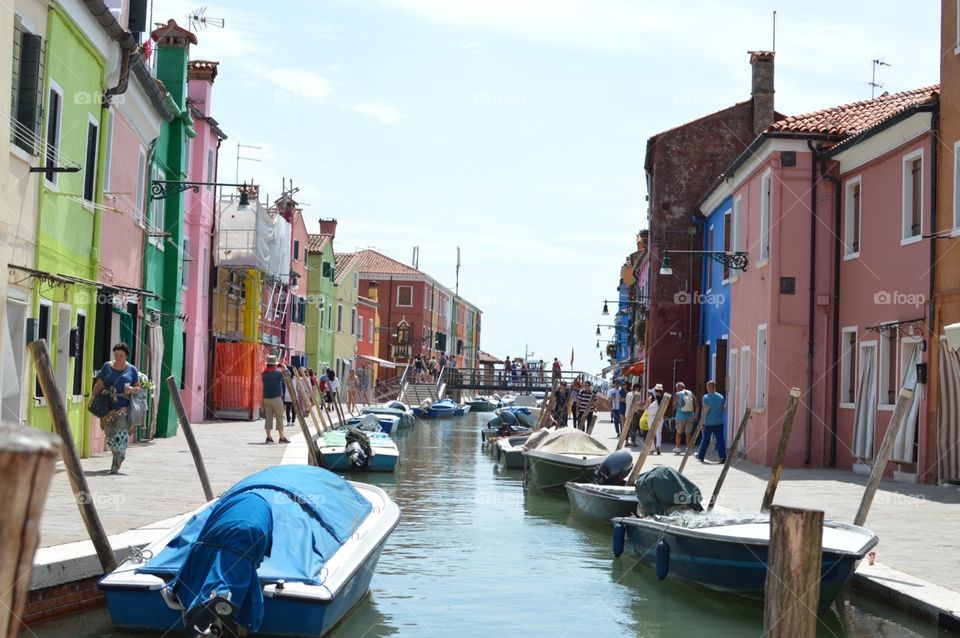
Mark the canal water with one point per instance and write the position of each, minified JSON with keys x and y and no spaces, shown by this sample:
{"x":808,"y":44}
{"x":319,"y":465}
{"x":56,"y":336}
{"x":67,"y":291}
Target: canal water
{"x":476,"y":555}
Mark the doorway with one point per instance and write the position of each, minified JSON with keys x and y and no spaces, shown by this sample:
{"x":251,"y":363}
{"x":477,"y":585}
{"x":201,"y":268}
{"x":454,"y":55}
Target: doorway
{"x":14,"y":335}
{"x":63,"y":350}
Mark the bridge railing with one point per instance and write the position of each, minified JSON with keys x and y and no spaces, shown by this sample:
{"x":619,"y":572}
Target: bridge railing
{"x":506,"y":380}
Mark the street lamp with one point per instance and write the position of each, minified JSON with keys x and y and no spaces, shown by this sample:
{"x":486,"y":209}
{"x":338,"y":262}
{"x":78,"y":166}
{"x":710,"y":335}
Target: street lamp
{"x":728,"y":259}
{"x":641,"y":301}
{"x":603,"y":325}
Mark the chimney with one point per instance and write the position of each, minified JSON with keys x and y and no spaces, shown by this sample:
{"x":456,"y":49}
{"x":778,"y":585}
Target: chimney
{"x":373,"y":292}
{"x":328,"y":227}
{"x":761,"y":90}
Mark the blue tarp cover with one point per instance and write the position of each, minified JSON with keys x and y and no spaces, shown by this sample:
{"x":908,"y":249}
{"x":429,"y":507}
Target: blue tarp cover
{"x":314,"y":513}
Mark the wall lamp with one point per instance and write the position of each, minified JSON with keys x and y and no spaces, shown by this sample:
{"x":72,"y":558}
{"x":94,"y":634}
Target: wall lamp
{"x":160,"y":189}
{"x":603,"y":325}
{"x":732,"y":260}
{"x":606,"y":310}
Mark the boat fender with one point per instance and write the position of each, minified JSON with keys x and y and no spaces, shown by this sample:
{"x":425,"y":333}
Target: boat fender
{"x":619,"y":538}
{"x":663,"y":559}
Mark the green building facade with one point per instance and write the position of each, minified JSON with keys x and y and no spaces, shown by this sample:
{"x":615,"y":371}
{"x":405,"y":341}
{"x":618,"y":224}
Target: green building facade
{"x":321,"y":302}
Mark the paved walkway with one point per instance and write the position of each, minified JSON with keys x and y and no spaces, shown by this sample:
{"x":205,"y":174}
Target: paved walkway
{"x":918,"y":525}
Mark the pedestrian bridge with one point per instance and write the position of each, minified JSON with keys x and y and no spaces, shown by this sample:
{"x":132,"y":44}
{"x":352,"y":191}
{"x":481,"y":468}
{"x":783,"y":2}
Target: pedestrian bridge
{"x":485,"y":380}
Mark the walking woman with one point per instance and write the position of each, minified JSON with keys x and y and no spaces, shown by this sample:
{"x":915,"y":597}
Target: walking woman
{"x":121,"y":379}
{"x":352,"y":382}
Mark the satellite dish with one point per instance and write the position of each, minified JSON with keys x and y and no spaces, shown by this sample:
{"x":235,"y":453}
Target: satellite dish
{"x":198,"y":20}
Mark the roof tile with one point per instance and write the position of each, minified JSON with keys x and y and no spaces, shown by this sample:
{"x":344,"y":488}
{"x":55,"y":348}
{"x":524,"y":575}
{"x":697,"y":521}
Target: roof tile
{"x":316,"y":243}
{"x":372,"y":261}
{"x":343,"y":262}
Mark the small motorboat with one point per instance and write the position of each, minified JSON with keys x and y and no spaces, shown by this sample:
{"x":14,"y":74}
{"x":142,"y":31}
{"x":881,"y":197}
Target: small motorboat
{"x":723,"y":551}
{"x":240,"y":565}
{"x":461,"y":410}
{"x":435,"y":409}
{"x":562,"y":456}
{"x":507,"y":422}
{"x":510,"y":451}
{"x":358,"y":451}
{"x":386,"y":423}
{"x":507,"y":400}
{"x":606,"y":497}
{"x":394,"y":408}
{"x":481,"y":404}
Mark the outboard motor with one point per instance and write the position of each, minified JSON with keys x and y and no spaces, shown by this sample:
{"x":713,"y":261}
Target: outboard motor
{"x":358,"y":448}
{"x":216,"y":617}
{"x":614,"y":469}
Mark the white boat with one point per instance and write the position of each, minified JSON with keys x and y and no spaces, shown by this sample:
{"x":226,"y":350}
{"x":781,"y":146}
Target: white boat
{"x":562,"y":456}
{"x":510,"y":451}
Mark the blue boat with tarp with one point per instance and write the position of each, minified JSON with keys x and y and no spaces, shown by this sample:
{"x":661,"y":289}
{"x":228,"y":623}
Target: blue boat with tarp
{"x":288,"y":551}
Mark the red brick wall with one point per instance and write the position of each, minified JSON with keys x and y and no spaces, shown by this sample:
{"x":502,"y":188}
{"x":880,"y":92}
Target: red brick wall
{"x":46,"y":604}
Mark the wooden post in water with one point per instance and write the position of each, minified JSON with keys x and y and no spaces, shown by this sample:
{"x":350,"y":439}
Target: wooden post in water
{"x":27,"y":459}
{"x":78,"y":482}
{"x":651,"y":437}
{"x":777,"y":468}
{"x":730,"y":452}
{"x":174,"y":389}
{"x":311,"y":444}
{"x":880,"y":464}
{"x":301,"y":380}
{"x":546,"y":408}
{"x":625,"y":427}
{"x":792,"y":591}
{"x":693,"y":437}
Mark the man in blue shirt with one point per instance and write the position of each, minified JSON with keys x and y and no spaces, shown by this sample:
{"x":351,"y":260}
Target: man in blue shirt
{"x":272,"y":378}
{"x":713,"y":403}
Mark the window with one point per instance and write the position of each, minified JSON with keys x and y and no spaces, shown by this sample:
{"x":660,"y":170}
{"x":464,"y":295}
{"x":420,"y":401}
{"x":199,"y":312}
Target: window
{"x":848,"y":367}
{"x":851,"y":219}
{"x":90,"y":163}
{"x":186,"y":262}
{"x":210,"y":169}
{"x":339,"y":318}
{"x":726,"y":243}
{"x":708,"y":263}
{"x":405,"y":296}
{"x":353,"y":321}
{"x":156,"y":224}
{"x":912,"y":197}
{"x":761,"y":366}
{"x":27,"y":95}
{"x":54,"y":113}
{"x":79,"y":336}
{"x":765,"y":202}
{"x":43,"y":332}
{"x":327,"y":270}
{"x":360,"y":329}
{"x":888,"y":367}
{"x":141,"y":186}
{"x":296,"y":249}
{"x":370,"y":331}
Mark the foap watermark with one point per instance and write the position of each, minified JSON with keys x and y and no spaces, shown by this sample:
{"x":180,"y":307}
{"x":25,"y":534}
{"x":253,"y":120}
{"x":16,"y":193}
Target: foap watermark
{"x":685,"y":298}
{"x":899,"y":500}
{"x":897,"y":298}
{"x":687,"y":499}
{"x":101,"y":501}
{"x":512,"y":498}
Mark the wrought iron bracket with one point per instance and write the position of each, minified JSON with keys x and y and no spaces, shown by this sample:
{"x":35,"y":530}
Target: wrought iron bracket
{"x":732,"y":260}
{"x":160,"y":189}
{"x":906,"y":328}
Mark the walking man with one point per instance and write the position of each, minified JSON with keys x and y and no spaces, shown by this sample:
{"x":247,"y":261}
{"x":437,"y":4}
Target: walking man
{"x":614,"y":395}
{"x":685,"y":406}
{"x":713,"y":403}
{"x":585,"y":406}
{"x":556,"y":372}
{"x":272,"y":378}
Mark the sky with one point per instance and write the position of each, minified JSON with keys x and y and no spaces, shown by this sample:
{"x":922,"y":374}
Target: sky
{"x":516,"y":129}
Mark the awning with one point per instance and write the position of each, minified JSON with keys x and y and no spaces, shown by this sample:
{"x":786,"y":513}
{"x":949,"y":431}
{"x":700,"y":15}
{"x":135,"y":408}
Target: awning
{"x":372,"y":359}
{"x":634,"y":370}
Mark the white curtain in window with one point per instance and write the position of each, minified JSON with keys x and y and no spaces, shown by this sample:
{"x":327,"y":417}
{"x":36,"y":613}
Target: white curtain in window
{"x":865,"y":416}
{"x":155,"y":362}
{"x":903,"y":446}
{"x":948,"y":415}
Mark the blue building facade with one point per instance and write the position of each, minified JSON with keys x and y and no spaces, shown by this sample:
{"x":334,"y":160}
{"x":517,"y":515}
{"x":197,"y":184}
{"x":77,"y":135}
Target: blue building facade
{"x":622,"y":324}
{"x":714,"y":298}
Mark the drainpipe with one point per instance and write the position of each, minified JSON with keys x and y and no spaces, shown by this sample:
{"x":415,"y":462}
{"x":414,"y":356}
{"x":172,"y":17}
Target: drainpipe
{"x":811,"y":301}
{"x":934,"y":144}
{"x":128,"y":45}
{"x":835,"y":339}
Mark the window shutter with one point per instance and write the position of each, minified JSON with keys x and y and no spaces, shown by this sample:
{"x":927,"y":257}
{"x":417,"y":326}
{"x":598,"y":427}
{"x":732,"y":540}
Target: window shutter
{"x":30,"y":90}
{"x":15,"y":84}
{"x":721,"y":372}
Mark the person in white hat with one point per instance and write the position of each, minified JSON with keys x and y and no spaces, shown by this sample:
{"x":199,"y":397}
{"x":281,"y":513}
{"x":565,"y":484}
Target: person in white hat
{"x":650,"y":409}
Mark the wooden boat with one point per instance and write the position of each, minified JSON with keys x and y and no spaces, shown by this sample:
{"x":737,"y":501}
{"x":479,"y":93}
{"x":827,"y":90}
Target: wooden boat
{"x":336,"y":453}
{"x":435,"y":410}
{"x":306,"y":588}
{"x":562,"y":456}
{"x":728,"y":552}
{"x":510,"y":451}
{"x":461,"y":410}
{"x":481,"y":404}
{"x":602,"y":502}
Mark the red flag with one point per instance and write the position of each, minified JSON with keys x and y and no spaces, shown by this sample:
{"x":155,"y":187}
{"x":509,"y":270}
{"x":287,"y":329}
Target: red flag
{"x":571,"y":357}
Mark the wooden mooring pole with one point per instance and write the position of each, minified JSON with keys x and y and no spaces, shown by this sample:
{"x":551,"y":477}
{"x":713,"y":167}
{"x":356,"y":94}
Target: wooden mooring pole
{"x":886,"y":448}
{"x":651,"y":437}
{"x":625,"y":426}
{"x":311,"y":444}
{"x":792,"y":590}
{"x":693,"y":437}
{"x":777,"y":469}
{"x":71,"y":459}
{"x":27,"y":459}
{"x":174,"y":390}
{"x":731,"y":450}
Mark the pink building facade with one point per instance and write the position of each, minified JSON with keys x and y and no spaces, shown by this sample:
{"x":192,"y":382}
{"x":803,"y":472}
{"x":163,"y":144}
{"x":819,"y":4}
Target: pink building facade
{"x":134,"y":123}
{"x":824,"y":258}
{"x":199,"y":222}
{"x":296,"y":319}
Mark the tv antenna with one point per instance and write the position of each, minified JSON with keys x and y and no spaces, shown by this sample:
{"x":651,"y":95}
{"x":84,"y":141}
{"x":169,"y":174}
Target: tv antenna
{"x":874,"y":85}
{"x":198,"y":20}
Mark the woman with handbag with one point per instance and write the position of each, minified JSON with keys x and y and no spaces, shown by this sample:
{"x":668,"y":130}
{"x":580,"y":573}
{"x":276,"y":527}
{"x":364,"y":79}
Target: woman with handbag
{"x":120,"y":380}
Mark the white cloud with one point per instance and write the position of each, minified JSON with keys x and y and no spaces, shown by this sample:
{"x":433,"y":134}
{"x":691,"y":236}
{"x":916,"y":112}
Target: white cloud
{"x":383,"y":113}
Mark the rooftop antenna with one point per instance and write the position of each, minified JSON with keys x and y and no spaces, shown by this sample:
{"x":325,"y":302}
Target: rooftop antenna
{"x":416,"y":257}
{"x":198,"y":20}
{"x":456,"y":292}
{"x":249,"y":159}
{"x":874,"y":85}
{"x":774,"y":48}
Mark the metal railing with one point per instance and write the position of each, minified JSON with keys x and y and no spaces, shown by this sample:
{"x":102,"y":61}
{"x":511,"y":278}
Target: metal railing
{"x":508,"y":380}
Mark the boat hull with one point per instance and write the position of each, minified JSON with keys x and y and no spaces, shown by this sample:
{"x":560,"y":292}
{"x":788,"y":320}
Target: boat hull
{"x":481,"y":406}
{"x":386,"y":424}
{"x":334,"y":459}
{"x":547,"y":471}
{"x":602,"y":502}
{"x":737,"y":567}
